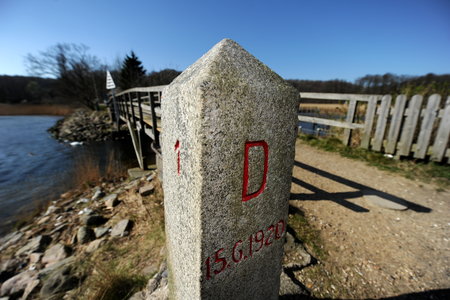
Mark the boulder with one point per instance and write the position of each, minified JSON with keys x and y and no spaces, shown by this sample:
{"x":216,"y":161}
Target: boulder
{"x":289,"y":289}
{"x":48,"y":270}
{"x":101,"y":231}
{"x":85,"y":234}
{"x":111,"y":200}
{"x":94,"y":245}
{"x":92,"y":220}
{"x":98,"y":194}
{"x":35,"y":257}
{"x":16,"y":285}
{"x":8,"y":268}
{"x":59,"y":281}
{"x":30,"y":288}
{"x":147,"y":189}
{"x":295,"y":255}
{"x":37,"y":244}
{"x":151,"y":176}
{"x":51,"y":210}
{"x":121,"y":228}
{"x":56,"y":253}
{"x":10,"y":239}
{"x":43,"y":220}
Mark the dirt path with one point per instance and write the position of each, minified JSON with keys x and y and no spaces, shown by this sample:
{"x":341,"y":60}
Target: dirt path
{"x":370,"y":252}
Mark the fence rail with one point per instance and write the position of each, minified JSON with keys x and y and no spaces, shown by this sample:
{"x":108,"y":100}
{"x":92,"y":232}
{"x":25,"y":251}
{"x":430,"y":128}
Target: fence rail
{"x":407,"y":128}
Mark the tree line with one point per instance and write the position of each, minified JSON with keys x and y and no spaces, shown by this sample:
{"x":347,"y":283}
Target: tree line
{"x":68,"y":73}
{"x":379,"y":84}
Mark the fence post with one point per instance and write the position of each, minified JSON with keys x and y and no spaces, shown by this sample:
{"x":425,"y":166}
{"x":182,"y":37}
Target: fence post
{"x":155,"y":131}
{"x":381,"y":123}
{"x":442,"y":136}
{"x":409,"y":127}
{"x":349,"y":119}
{"x":227,"y":175}
{"x":368,"y":122}
{"x":396,"y":123}
{"x":427,"y":126}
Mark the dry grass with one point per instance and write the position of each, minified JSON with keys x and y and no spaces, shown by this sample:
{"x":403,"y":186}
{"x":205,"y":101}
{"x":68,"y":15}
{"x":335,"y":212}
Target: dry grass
{"x":114,"y":284}
{"x":119,"y":269}
{"x":88,"y":171}
{"x":35,"y":109}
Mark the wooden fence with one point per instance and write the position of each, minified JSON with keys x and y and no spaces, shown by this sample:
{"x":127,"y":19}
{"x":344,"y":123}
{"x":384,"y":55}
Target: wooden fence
{"x":410,"y":128}
{"x":413,"y":128}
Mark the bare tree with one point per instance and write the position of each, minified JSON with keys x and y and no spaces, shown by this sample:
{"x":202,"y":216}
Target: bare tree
{"x":74,"y":68}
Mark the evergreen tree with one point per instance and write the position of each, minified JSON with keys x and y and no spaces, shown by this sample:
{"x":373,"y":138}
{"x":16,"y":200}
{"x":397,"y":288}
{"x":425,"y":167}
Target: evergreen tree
{"x":132,"y":73}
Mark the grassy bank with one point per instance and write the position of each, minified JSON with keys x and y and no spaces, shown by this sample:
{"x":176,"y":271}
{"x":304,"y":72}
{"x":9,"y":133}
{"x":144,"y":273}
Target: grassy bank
{"x":428,"y":172}
{"x":35,"y":109}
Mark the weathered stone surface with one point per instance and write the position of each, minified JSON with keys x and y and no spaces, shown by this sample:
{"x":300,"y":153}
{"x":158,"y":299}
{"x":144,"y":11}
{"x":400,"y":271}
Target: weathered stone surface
{"x":31,"y":286}
{"x":35,"y":257}
{"x":157,"y":287}
{"x":295,"y":255}
{"x":56,"y":253}
{"x":230,"y":125}
{"x":133,"y":184}
{"x":111,"y":200}
{"x":121,"y":228}
{"x":43,"y":220}
{"x":98,"y":193}
{"x":289,"y":288}
{"x":51,"y":210}
{"x":10,"y":239}
{"x":380,"y":201}
{"x":84,"y":235}
{"x":138,"y":296}
{"x":37,"y":244}
{"x":147,"y":189}
{"x":8,"y":268}
{"x":101,"y":231}
{"x":59,"y":281}
{"x":137,"y":173}
{"x":94,"y":245}
{"x":50,"y":269}
{"x":151,"y":176}
{"x":17,"y":284}
{"x":93,"y":220}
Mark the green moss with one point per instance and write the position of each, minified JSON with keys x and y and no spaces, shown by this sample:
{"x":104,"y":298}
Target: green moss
{"x":309,"y":235}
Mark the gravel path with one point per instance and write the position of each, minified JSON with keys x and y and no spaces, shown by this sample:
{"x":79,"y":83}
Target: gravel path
{"x":372,"y":251}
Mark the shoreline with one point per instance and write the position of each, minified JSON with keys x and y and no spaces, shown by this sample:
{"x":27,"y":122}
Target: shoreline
{"x":70,"y":230}
{"x":36,"y":109}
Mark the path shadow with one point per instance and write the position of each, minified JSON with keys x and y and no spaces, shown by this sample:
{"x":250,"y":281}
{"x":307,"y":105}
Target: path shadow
{"x":342,"y":197}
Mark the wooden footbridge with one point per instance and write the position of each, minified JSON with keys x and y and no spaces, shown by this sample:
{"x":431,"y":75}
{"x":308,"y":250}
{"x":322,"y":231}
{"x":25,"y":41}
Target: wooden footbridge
{"x":410,"y":128}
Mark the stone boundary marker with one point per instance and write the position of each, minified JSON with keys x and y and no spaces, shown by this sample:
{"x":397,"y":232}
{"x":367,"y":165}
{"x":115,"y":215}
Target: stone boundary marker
{"x":228,"y":142}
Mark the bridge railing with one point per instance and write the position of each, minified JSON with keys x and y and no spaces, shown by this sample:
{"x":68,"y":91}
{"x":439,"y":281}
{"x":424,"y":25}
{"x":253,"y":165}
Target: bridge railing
{"x":411,"y":127}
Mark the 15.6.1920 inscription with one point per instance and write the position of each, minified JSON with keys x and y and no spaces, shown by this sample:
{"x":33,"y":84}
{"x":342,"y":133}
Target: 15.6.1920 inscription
{"x":219,"y":261}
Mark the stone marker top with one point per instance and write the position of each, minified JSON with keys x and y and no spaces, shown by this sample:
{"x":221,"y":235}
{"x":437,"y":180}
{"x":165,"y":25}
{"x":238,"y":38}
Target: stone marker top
{"x":229,"y":128}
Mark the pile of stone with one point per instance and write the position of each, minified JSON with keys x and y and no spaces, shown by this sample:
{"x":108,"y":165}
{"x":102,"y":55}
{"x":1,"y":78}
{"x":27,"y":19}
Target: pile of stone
{"x":83,"y":125}
{"x":41,"y":260}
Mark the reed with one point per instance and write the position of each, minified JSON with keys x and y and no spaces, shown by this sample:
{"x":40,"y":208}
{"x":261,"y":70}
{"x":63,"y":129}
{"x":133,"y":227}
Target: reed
{"x":90,"y":172}
{"x":35,"y":109}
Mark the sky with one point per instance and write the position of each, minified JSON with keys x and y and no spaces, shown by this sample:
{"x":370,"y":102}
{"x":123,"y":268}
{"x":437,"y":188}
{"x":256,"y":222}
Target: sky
{"x":315,"y":39}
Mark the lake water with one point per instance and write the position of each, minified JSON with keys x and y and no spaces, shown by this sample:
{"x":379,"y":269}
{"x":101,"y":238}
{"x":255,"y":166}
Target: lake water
{"x":35,"y":168}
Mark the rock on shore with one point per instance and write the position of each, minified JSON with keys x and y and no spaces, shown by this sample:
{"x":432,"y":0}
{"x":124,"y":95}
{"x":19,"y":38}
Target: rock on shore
{"x":83,"y":125}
